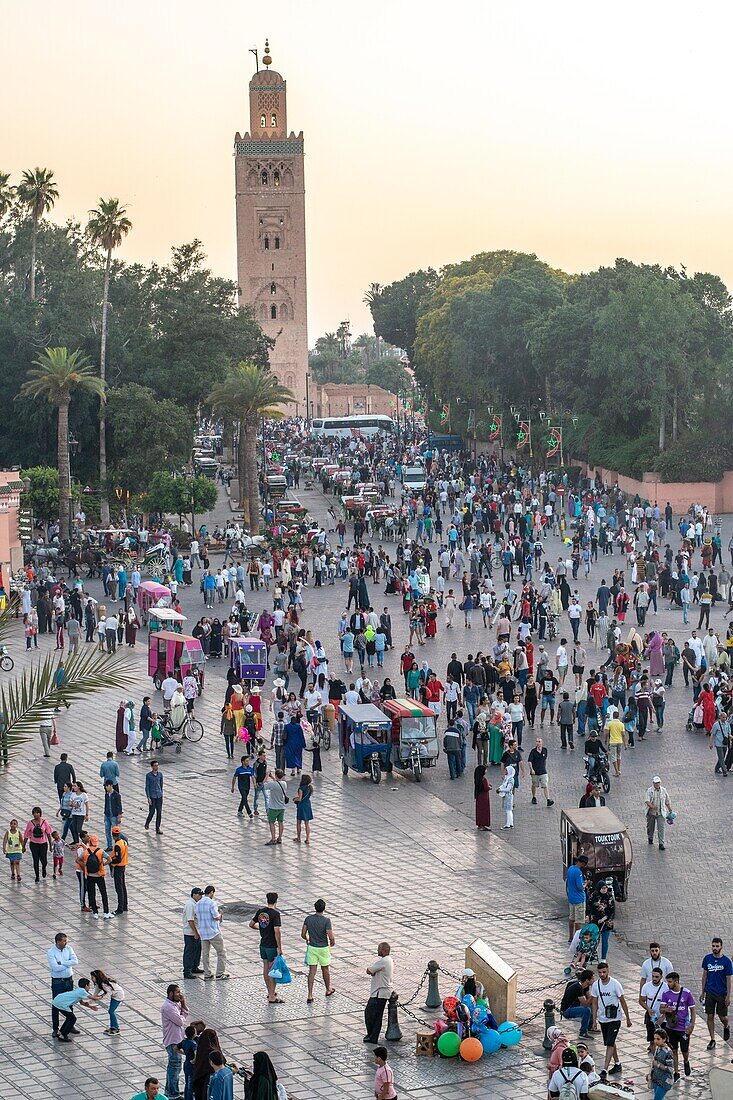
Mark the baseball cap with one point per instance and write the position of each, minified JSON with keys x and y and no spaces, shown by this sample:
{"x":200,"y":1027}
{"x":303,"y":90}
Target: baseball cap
{"x":656,"y":779}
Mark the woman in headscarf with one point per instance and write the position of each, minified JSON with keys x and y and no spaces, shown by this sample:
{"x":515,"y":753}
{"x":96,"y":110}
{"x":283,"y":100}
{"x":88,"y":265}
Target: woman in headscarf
{"x":481,"y":788}
{"x":655,"y":655}
{"x":207,"y":1043}
{"x":215,"y":640}
{"x":237,"y":704}
{"x":120,"y":732}
{"x":263,"y":1082}
{"x":506,"y":790}
{"x":128,"y":722}
{"x":132,"y":624}
{"x":601,"y":911}
{"x":559,"y":1041}
{"x":294,"y":745}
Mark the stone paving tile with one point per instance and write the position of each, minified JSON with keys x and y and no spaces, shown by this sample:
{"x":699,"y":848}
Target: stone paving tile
{"x":394,"y":860}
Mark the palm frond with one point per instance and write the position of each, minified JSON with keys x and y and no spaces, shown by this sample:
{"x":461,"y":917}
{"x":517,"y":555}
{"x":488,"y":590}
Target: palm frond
{"x":26,"y":697}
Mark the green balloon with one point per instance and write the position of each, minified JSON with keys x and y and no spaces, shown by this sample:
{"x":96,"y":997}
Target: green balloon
{"x":449,"y":1044}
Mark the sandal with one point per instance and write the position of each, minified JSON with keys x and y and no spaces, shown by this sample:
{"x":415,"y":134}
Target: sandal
{"x":330,"y":992}
{"x":309,"y":1000}
{"x":277,"y":1001}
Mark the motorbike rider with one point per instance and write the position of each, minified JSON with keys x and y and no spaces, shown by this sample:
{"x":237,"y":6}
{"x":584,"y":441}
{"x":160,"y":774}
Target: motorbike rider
{"x":594,"y":751}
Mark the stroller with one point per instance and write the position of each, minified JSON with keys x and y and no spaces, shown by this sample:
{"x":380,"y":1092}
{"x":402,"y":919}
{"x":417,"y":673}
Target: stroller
{"x":172,"y":735}
{"x":584,"y":947}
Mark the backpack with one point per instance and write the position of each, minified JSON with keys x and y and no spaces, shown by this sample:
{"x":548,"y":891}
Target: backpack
{"x":567,"y":1088}
{"x":93,"y":862}
{"x":37,"y":832}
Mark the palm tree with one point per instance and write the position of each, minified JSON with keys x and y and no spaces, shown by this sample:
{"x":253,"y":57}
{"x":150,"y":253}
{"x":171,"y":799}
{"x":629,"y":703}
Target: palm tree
{"x":38,"y":191}
{"x":107,"y":226}
{"x":7,"y":193}
{"x":25,"y":698}
{"x":249,"y":394}
{"x":57,"y":376}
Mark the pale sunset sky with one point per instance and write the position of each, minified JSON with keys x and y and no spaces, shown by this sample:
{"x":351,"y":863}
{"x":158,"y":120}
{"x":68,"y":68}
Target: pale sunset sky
{"x":574,"y":130}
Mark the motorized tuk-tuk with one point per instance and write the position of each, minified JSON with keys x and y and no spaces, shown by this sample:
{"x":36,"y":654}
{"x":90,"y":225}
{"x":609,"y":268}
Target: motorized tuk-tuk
{"x":165,"y":618}
{"x":150,"y":594}
{"x":365,"y":739}
{"x":248,"y":658}
{"x":597,"y":834}
{"x":414,"y":735}
{"x":172,"y":654}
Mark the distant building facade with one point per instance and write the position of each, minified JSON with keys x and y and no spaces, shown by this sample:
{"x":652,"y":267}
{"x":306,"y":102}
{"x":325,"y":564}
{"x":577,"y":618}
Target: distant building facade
{"x":270,"y":206}
{"x":353,"y":399}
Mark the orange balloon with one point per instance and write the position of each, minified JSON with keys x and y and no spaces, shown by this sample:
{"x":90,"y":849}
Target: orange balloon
{"x":471,"y":1050}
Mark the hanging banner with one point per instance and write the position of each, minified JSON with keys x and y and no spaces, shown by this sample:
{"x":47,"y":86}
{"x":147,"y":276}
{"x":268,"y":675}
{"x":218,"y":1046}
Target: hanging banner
{"x":522,"y":434}
{"x":445,"y":414}
{"x":554,"y":441}
{"x":495,"y":428}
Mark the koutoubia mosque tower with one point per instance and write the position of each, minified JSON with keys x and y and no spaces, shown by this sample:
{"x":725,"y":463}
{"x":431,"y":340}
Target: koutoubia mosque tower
{"x":270,"y":200}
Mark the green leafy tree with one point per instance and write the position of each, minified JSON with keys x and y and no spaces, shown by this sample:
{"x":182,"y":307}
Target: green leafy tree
{"x":7,"y":193}
{"x":56,"y":376}
{"x":38,"y":191}
{"x":107,"y":227}
{"x":43,"y":495}
{"x":146,"y":433}
{"x":395,"y":308}
{"x":248,"y":395}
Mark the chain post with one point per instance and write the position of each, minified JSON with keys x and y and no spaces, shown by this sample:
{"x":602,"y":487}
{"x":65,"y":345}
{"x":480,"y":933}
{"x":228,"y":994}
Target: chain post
{"x":548,"y":1007}
{"x":433,"y":999}
{"x":393,"y":1033}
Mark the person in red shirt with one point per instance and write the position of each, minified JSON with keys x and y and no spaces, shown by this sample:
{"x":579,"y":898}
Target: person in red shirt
{"x":433,"y":693}
{"x":598,"y":692}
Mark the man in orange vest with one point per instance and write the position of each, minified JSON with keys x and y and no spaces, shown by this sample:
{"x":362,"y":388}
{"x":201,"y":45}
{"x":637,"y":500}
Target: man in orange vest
{"x":118,"y":862}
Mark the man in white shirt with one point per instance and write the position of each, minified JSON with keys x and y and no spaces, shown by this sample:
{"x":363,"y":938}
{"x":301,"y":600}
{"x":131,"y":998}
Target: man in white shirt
{"x":61,"y":962}
{"x":208,"y":921}
{"x":561,"y":661}
{"x":381,"y":972}
{"x":656,"y":958}
{"x":191,"y":938}
{"x":696,"y":645}
{"x":607,"y":996}
{"x":194,"y":553}
{"x":650,"y":999}
{"x":169,"y":687}
{"x":110,"y":633}
{"x":569,"y":1072}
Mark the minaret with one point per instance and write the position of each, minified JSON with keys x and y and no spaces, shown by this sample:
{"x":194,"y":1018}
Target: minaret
{"x":270,"y":201}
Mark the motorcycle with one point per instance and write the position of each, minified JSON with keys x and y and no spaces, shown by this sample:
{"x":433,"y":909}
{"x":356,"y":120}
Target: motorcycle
{"x":599,"y":773}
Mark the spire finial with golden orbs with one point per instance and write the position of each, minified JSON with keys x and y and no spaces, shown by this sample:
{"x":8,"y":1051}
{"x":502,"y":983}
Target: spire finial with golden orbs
{"x":267,"y":60}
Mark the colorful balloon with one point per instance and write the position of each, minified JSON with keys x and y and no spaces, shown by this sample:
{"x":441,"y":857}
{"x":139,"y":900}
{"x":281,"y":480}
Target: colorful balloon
{"x":471,"y":1050}
{"x":510,"y":1034}
{"x":449,"y":1044}
{"x":490,"y":1041}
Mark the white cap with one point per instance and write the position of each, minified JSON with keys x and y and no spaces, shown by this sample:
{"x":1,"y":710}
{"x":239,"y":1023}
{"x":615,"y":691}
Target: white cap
{"x":656,"y":779}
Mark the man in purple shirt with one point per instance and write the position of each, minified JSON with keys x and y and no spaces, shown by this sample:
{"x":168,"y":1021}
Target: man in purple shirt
{"x":174,"y":1017}
{"x":678,"y":1013}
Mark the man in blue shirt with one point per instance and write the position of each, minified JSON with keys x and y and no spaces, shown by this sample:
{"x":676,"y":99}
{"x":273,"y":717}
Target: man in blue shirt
{"x":221,"y":1082}
{"x":109,"y":769}
{"x":717,"y":970}
{"x":575,"y":888}
{"x":154,"y":795}
{"x":65,"y":1002}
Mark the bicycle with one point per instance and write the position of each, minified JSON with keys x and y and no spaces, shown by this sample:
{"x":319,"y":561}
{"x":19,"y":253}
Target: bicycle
{"x":321,"y":732}
{"x":190,"y":729}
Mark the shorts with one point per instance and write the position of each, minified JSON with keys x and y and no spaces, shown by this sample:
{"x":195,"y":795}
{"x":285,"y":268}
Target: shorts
{"x":576,"y":913}
{"x":614,"y":751}
{"x":548,"y":701}
{"x":14,"y":857}
{"x":318,"y":956}
{"x":274,"y":816}
{"x":269,"y":954}
{"x":715,"y":1002}
{"x":540,"y":781}
{"x":678,"y":1040}
{"x":578,"y":669}
{"x":610,"y":1031}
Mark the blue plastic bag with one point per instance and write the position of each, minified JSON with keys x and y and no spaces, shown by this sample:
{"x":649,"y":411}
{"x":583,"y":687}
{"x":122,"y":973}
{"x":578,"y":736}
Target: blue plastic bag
{"x":279,"y":971}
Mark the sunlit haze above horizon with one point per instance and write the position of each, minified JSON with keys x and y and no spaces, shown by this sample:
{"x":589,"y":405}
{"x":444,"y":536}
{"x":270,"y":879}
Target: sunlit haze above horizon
{"x":579,"y":132}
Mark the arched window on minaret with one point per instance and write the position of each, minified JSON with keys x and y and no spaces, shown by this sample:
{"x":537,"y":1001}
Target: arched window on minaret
{"x":263,"y":121}
{"x":273,"y":313}
{"x":276,"y":178}
{"x":277,"y":242}
{"x":274,"y":122}
{"x":264,"y":177}
{"x":267,"y":243}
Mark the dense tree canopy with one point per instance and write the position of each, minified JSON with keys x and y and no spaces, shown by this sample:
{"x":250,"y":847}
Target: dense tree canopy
{"x":635,"y":361}
{"x":173,"y":330}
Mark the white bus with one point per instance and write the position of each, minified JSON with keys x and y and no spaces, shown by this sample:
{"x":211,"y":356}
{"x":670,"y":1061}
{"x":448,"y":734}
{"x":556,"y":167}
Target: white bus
{"x":348,"y":427}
